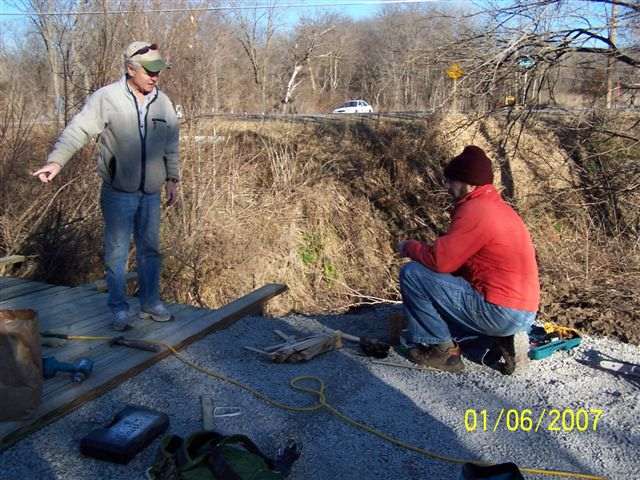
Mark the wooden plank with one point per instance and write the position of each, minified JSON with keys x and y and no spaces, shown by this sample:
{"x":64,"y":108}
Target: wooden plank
{"x":75,"y":302}
{"x":82,"y":317}
{"x":203,"y":322}
{"x":78,"y":311}
{"x":83,"y":322}
{"x":20,"y":302}
{"x":70,"y":351}
{"x":100,"y":325}
{"x":143,"y":330}
{"x":22,"y":289}
{"x":101,"y":285}
{"x":105,"y":357}
{"x":134,"y":362}
{"x":47,"y":299}
{"x":98,"y":350}
{"x":101,"y":321}
{"x":58,"y":305}
{"x":10,"y":281}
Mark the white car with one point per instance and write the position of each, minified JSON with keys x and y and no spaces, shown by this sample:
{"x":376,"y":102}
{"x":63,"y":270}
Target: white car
{"x":354,"y":106}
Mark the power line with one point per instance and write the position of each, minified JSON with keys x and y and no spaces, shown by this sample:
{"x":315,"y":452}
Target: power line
{"x":213,"y":9}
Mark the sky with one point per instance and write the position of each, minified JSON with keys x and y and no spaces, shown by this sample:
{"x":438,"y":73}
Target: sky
{"x":289,"y":12}
{"x":289,"y":15}
{"x":354,"y":11}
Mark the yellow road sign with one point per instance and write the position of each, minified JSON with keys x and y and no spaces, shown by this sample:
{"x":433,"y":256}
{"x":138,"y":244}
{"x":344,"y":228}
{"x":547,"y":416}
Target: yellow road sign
{"x":454,"y":72}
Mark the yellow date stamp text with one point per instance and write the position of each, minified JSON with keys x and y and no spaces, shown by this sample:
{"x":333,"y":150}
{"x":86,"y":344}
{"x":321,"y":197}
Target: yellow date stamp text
{"x":528,"y":420}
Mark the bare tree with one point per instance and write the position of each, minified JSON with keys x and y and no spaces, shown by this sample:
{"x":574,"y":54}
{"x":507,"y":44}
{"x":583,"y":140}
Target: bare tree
{"x":551,"y":34}
{"x":255,"y":32}
{"x":307,"y":41}
{"x":56,"y":37}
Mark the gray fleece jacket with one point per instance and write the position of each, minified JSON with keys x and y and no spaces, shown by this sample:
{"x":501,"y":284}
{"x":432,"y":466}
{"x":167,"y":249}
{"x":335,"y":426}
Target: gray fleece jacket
{"x":126,"y":160}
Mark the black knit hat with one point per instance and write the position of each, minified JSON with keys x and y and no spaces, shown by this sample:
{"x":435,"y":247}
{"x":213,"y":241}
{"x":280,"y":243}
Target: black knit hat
{"x":472,"y":166}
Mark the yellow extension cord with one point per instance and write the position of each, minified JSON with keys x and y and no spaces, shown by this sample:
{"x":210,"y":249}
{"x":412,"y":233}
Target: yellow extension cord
{"x":322,"y":403}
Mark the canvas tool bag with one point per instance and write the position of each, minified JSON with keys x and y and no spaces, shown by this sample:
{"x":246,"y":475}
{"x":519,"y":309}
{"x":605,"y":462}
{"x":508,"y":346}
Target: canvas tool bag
{"x":20,"y":364}
{"x":208,"y":455}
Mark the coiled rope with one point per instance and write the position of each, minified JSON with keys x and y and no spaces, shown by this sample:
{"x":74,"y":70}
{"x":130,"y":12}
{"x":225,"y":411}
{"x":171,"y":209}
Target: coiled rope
{"x":322,"y":403}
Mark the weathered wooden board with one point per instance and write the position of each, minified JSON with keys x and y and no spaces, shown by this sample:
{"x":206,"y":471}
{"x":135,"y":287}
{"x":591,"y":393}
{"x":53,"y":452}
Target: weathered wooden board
{"x":83,"y":311}
{"x":101,"y":285}
{"x":22,"y":289}
{"x":48,"y":298}
{"x":10,"y":281}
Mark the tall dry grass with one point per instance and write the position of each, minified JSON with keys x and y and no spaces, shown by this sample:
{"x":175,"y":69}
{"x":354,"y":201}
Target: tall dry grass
{"x":319,"y":205}
{"x":259,"y":206}
{"x":54,"y":224}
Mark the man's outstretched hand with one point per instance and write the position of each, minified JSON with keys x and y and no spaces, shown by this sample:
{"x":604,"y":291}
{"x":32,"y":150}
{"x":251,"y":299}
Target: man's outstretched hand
{"x":48,"y":172}
{"x":172,"y":193}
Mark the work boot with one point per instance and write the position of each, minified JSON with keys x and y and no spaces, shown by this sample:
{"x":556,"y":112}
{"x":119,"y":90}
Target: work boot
{"x":121,"y":321}
{"x":157,"y":313}
{"x":514,"y":350}
{"x":437,"y":356}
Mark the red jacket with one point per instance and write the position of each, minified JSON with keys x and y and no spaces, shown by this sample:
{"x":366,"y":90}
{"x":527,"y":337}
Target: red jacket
{"x":487,"y":244}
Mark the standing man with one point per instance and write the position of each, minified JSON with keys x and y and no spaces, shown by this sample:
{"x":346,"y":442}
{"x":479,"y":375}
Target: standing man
{"x":137,"y":155}
{"x":480,"y":277}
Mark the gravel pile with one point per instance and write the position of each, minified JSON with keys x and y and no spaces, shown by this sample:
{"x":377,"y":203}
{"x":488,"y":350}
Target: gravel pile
{"x":422,"y":408}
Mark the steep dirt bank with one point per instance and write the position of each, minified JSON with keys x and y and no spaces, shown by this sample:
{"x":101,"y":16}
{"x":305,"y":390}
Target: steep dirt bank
{"x":319,"y":204}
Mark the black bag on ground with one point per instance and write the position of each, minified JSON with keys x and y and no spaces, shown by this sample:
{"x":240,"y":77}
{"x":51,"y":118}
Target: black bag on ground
{"x":130,"y":432}
{"x":503,"y":471}
{"x":20,"y":364}
{"x":208,"y":455}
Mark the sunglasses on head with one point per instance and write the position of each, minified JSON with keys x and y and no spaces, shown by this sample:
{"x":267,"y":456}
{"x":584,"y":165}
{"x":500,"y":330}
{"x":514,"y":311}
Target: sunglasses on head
{"x":144,"y":50}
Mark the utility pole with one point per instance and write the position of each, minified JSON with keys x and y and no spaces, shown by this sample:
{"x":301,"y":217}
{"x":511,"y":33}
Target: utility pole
{"x":610,"y":60}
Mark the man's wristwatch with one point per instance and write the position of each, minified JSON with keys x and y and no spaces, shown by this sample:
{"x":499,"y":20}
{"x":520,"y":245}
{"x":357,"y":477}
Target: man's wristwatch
{"x":173,"y":180}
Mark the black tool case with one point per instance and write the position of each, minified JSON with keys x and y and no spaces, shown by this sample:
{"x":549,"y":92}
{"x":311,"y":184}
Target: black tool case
{"x":130,"y":432}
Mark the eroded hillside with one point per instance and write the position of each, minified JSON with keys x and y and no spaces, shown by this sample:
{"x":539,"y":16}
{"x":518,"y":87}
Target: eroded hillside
{"x":318,"y":203}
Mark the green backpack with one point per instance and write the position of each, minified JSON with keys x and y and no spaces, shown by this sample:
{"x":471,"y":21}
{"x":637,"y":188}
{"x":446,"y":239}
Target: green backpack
{"x":208,"y":455}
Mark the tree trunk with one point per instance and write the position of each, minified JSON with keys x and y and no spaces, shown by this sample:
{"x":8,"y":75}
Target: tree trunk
{"x":48,"y":33}
{"x":291,"y":86}
{"x":311,"y":76}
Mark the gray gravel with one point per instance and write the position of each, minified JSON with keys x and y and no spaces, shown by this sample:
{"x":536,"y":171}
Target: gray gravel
{"x":425,"y":409}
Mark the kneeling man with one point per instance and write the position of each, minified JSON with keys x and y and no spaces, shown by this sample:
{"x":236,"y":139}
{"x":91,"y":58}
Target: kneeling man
{"x":479,"y":278}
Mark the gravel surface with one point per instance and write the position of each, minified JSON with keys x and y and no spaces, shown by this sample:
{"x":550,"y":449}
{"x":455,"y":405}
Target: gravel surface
{"x":422,"y":408}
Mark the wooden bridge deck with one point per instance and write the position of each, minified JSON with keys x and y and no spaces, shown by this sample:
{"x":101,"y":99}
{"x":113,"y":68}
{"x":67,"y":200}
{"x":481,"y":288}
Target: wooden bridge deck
{"x":83,"y":311}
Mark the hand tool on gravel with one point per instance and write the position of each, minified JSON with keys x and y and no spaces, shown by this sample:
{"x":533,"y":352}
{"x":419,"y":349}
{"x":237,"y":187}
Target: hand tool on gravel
{"x":371,"y":347}
{"x":297,"y":350}
{"x":133,"y":343}
{"x":552,"y":338}
{"x":79,"y":370}
{"x":300,"y":350}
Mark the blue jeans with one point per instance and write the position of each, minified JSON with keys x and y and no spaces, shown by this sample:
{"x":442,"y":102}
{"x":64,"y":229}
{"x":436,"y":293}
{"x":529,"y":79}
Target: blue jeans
{"x":440,"y":307}
{"x":125,"y":214}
